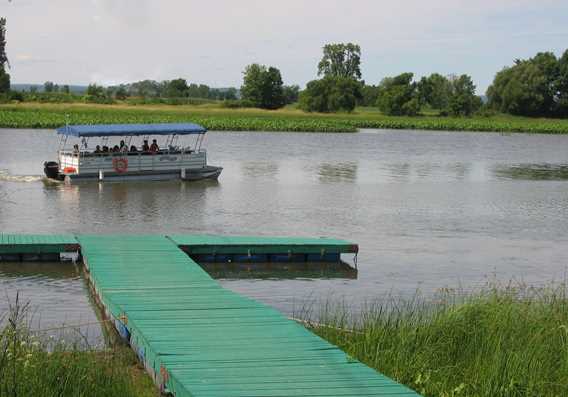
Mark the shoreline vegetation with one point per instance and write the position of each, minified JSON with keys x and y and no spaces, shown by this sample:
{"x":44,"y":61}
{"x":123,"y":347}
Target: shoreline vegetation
{"x":503,"y":341}
{"x":509,"y":340}
{"x":218,"y":118}
{"x":32,"y":364}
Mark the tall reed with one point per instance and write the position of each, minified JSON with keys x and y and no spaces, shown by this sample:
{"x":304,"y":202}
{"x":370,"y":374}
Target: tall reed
{"x":503,"y":341}
{"x":31,"y":365}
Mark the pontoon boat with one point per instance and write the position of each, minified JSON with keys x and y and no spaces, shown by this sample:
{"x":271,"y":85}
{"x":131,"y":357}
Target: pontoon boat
{"x":117,"y":155}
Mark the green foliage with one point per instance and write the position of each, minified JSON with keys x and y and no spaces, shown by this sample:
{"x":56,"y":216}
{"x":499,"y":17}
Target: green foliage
{"x":502,"y":342}
{"x":435,"y":90}
{"x":263,"y":87}
{"x":4,"y":81}
{"x":369,"y":95}
{"x":35,"y":366}
{"x":398,"y":96}
{"x":462,"y":100}
{"x":176,"y":88}
{"x":534,"y":87}
{"x":341,"y":60}
{"x":236,"y":104}
{"x":330,"y":94}
{"x":49,"y":86}
{"x":97,"y":94}
{"x":214,"y":118}
{"x":291,"y":94}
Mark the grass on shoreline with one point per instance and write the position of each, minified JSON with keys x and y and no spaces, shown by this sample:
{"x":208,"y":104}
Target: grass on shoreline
{"x":35,"y":366}
{"x":213,"y":117}
{"x":510,"y":341}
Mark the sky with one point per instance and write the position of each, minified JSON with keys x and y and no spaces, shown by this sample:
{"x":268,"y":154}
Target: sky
{"x":211,"y":42}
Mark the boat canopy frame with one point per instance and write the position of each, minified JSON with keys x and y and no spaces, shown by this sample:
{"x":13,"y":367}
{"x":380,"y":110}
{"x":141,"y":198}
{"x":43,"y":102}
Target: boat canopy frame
{"x":127,"y":131}
{"x":86,"y":131}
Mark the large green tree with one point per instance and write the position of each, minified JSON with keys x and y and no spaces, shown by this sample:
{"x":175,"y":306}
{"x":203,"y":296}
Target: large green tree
{"x":398,"y":96}
{"x":341,"y":60}
{"x":331,"y":94}
{"x":176,"y":88}
{"x":531,"y":87}
{"x":263,"y":87}
{"x":435,"y":90}
{"x":4,"y":76}
{"x":462,"y":100}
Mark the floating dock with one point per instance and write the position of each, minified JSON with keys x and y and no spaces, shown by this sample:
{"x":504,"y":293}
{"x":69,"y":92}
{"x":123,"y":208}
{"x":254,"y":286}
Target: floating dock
{"x":196,"y":338}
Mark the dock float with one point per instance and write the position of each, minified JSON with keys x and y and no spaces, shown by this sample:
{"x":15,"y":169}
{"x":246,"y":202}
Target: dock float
{"x":196,"y":338}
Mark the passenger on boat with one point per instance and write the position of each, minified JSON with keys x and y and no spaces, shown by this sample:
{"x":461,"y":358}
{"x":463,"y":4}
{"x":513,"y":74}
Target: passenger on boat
{"x":145,"y":146}
{"x":98,"y":149}
{"x":123,"y":148}
{"x":105,"y":149}
{"x":75,"y":149}
{"x":115,"y":149}
{"x":154,"y":148}
{"x":133,"y":149}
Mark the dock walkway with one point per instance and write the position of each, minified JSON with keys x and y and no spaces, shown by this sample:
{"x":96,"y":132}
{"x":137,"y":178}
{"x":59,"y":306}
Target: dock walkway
{"x":198,"y":339}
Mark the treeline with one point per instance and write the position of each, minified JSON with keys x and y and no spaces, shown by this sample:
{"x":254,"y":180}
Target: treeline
{"x":534,"y":87}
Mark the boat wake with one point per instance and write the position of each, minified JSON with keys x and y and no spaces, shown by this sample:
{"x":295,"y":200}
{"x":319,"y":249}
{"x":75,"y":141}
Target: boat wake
{"x":7,"y":177}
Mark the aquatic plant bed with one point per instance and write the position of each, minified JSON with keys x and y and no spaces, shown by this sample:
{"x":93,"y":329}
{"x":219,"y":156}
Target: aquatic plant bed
{"x":215,"y":118}
{"x":504,"y":341}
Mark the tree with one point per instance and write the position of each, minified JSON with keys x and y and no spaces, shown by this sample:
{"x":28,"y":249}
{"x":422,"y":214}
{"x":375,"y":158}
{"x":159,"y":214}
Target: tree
{"x":65,"y":89}
{"x":176,"y":88}
{"x":435,"y":90}
{"x":463,"y":101}
{"x":95,"y":91}
{"x":398,"y":96}
{"x":4,"y":76}
{"x":48,"y":86}
{"x":369,"y":95}
{"x":340,"y":60}
{"x":263,"y":86}
{"x":531,"y":87}
{"x":561,"y":86}
{"x":330,"y":94}
{"x":291,"y":93}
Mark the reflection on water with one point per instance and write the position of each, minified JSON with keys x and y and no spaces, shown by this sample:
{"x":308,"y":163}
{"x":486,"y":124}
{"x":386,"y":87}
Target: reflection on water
{"x":338,"y":172}
{"x":57,"y":296}
{"x":533,"y":171}
{"x":280,"y":271}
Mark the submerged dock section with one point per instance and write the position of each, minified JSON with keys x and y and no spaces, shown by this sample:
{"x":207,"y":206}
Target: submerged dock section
{"x":196,"y":338}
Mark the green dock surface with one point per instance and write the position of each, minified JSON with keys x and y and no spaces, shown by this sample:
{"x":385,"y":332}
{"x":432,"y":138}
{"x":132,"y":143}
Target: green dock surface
{"x":37,"y":243}
{"x":198,"y":339}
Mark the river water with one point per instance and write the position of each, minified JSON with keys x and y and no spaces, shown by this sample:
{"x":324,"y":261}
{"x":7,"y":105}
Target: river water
{"x":428,"y":209}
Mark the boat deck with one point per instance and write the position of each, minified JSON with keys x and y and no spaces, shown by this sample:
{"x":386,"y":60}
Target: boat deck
{"x":196,"y":338}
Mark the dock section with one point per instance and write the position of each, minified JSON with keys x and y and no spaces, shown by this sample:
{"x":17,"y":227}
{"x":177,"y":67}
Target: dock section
{"x":28,"y":247}
{"x":198,"y":339}
{"x":206,"y":248}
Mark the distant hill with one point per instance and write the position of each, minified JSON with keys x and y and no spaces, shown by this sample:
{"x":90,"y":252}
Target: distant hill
{"x":76,"y":89}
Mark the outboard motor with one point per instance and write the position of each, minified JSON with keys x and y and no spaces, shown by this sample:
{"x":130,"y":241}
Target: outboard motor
{"x":51,"y":169}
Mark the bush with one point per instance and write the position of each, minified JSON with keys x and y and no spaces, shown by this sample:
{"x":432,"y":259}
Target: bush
{"x":330,"y":94}
{"x":235,"y":104}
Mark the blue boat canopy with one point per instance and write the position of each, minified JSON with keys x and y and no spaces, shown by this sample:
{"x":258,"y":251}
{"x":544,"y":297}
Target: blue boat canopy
{"x":131,"y":129}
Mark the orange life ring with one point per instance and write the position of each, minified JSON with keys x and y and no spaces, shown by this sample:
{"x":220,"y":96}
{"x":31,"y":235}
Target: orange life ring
{"x":120,"y":164}
{"x":69,"y":170}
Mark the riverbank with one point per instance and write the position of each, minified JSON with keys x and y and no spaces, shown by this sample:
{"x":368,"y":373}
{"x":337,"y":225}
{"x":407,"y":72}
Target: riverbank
{"x":32,"y":364}
{"x":509,"y":341}
{"x":214,"y":117}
